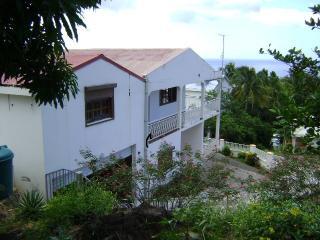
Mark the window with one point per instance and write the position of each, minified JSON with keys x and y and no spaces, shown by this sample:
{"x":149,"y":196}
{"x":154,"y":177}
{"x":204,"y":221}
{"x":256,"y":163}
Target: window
{"x":99,"y":103}
{"x":168,"y":95}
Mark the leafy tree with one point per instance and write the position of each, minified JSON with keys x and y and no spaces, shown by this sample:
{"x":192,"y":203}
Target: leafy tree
{"x":247,"y":117}
{"x":238,"y":125}
{"x":32,"y":46}
{"x":304,"y":85}
{"x":250,"y":87}
{"x":212,"y":94}
{"x":294,"y":178}
{"x":230,"y":70}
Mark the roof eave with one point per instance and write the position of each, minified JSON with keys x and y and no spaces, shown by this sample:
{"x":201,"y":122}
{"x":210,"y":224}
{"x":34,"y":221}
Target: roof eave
{"x":103,"y":57}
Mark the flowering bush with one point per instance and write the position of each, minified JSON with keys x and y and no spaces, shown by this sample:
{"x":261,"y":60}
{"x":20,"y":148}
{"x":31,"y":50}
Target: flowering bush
{"x":252,"y":159}
{"x":261,"y":220}
{"x":242,"y":155}
{"x":286,"y":220}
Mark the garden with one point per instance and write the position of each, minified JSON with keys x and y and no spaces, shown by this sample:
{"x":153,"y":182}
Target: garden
{"x":177,"y":196}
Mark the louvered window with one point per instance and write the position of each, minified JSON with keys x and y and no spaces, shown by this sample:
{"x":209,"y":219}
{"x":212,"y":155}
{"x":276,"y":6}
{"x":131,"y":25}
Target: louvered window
{"x":99,"y":103}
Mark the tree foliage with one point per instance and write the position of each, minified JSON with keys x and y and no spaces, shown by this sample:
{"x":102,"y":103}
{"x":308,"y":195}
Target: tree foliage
{"x":303,"y":86}
{"x":32,"y":46}
{"x":246,"y":116}
{"x":294,"y":178}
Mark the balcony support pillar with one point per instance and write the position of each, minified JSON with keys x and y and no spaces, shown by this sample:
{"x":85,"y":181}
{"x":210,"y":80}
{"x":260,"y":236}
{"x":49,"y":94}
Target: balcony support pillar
{"x":202,"y":100}
{"x":146,"y":116}
{"x":180,"y":105}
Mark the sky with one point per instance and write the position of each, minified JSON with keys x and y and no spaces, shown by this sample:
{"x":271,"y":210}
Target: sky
{"x":247,"y":24}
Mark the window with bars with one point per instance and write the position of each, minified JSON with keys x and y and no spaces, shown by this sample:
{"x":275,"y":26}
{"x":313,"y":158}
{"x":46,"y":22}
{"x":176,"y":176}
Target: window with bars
{"x":168,"y":95}
{"x":99,"y":103}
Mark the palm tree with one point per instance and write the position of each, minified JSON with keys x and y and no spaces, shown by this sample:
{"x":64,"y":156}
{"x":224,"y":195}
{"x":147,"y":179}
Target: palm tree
{"x":250,"y":88}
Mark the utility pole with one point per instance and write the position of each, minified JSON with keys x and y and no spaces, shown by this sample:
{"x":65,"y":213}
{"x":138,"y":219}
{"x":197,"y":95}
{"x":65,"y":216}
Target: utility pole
{"x":217,"y":136}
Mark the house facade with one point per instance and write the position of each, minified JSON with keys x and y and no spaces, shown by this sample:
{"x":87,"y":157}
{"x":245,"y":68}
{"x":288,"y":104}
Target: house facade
{"x":130,"y":101}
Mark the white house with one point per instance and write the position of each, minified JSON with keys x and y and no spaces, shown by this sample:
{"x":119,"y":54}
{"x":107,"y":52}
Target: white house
{"x":124,"y":96}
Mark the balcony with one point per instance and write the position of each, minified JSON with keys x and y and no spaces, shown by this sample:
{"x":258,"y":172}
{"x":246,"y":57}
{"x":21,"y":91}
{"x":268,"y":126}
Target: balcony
{"x":193,"y":116}
{"x":163,"y":126}
{"x":189,"y":118}
{"x":211,"y":108}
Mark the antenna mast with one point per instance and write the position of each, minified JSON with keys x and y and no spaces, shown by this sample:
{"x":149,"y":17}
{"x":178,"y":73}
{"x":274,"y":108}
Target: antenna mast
{"x":222,"y":55}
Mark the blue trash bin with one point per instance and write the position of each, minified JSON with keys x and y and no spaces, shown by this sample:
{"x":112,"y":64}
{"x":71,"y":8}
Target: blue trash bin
{"x":6,"y":172}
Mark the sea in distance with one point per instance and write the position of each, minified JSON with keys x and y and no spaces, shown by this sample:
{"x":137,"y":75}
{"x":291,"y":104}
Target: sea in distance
{"x":280,"y":68}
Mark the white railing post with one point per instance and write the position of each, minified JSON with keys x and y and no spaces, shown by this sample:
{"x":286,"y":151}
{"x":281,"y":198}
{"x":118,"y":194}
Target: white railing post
{"x":271,"y":159}
{"x":221,"y":144}
{"x":271,"y":156}
{"x":252,"y":148}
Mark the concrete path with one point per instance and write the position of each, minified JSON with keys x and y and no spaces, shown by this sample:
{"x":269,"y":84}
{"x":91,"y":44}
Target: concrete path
{"x":240,"y":173}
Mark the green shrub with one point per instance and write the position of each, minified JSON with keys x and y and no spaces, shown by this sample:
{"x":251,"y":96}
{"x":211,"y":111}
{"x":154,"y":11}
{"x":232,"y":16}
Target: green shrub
{"x":252,"y":159}
{"x":242,"y":155}
{"x":77,"y":202}
{"x":185,"y":183}
{"x":30,"y":205}
{"x":288,"y":148}
{"x":294,"y":177}
{"x":198,"y":220}
{"x":286,"y":220}
{"x":261,"y":220}
{"x":114,"y":174}
{"x":226,"y":151}
{"x":117,"y":178}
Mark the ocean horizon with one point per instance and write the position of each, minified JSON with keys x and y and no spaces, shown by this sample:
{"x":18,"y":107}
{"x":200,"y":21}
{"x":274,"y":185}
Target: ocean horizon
{"x":280,"y":68}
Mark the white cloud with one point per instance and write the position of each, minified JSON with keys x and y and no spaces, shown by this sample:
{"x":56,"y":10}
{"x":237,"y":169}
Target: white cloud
{"x":238,"y":2}
{"x":280,"y":16}
{"x":147,"y":25}
{"x":183,"y":23}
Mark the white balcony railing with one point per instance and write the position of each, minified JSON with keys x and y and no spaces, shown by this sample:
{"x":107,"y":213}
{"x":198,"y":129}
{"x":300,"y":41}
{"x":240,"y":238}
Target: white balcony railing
{"x":211,"y":108}
{"x":163,"y":126}
{"x":191,"y":117}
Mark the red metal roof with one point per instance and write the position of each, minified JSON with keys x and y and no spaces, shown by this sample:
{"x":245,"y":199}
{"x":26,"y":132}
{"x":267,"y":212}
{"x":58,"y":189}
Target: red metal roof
{"x":137,"y":62}
{"x":9,"y":81}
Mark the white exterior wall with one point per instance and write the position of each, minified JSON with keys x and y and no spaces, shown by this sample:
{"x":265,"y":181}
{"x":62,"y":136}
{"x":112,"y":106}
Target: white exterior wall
{"x":21,"y":131}
{"x":173,"y":139}
{"x":65,"y":133}
{"x":157,"y":111}
{"x":184,"y":69}
{"x":193,"y":137}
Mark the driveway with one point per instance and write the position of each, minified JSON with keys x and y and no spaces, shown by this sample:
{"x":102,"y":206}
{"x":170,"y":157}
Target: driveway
{"x":240,"y":173}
